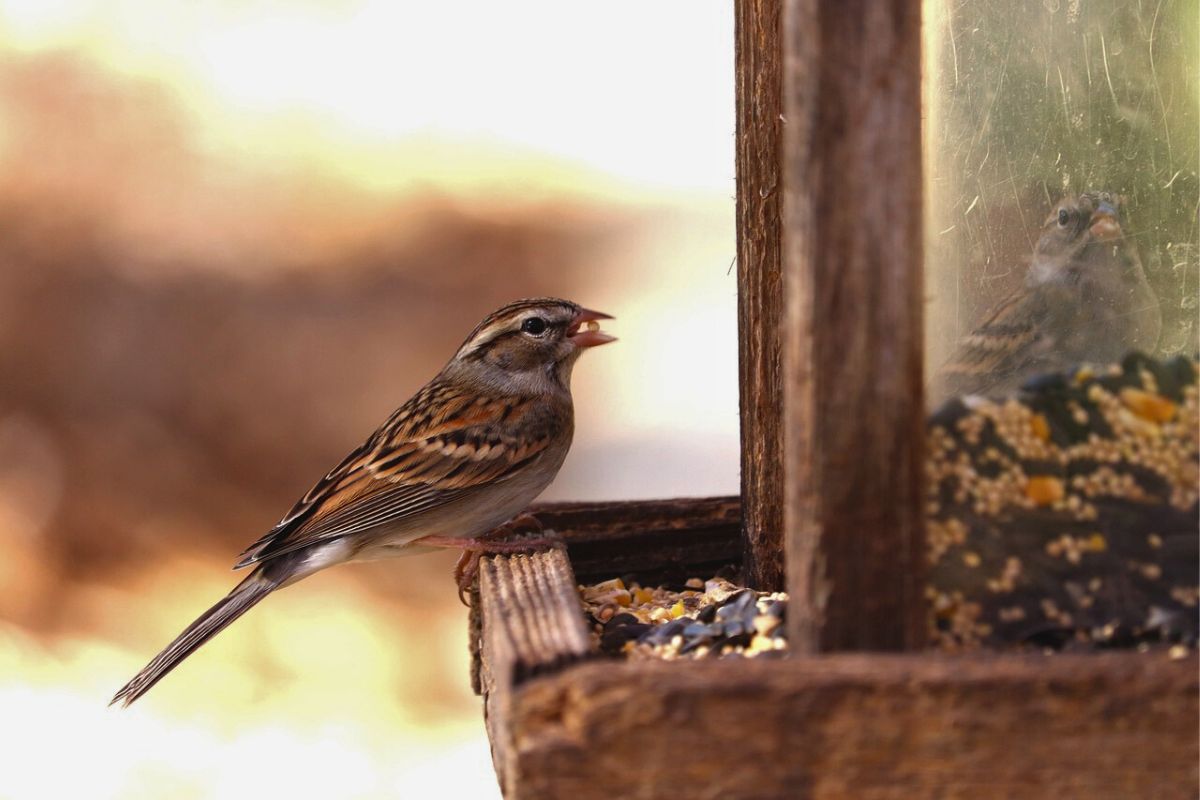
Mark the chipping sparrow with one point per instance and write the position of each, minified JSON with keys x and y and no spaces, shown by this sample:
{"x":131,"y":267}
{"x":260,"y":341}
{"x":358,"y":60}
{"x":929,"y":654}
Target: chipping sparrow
{"x":1085,"y":299}
{"x":466,"y":454}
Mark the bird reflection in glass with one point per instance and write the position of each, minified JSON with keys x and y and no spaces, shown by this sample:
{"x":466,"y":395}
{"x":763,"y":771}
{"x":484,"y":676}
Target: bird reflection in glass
{"x":1085,"y":300}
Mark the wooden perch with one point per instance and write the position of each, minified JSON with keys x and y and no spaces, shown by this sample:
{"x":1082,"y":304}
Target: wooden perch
{"x":530,"y":622}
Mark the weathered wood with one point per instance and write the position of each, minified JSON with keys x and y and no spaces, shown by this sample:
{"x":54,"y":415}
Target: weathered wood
{"x":659,"y":540}
{"x":839,"y":726}
{"x":856,"y":726}
{"x":853,"y":339}
{"x":651,"y":537}
{"x":530,"y":622}
{"x":760,"y":292}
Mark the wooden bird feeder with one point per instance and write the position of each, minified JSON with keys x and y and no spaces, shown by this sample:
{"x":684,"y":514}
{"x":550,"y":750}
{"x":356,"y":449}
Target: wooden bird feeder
{"x":831,"y":331}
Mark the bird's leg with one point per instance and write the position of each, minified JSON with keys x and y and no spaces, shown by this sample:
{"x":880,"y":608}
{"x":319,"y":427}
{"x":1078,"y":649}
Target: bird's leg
{"x":492,"y":543}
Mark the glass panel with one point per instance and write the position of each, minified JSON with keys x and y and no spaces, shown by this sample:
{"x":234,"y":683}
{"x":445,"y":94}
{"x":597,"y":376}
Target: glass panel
{"x":1062,"y":231}
{"x":1062,"y":187}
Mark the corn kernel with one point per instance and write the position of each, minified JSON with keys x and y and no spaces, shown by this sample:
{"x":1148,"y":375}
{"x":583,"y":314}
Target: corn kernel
{"x":1148,"y":406}
{"x":1044,"y":490}
{"x":1041,"y":428}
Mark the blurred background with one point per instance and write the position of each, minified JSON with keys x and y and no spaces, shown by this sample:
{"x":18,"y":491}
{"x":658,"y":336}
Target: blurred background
{"x":233,"y":237}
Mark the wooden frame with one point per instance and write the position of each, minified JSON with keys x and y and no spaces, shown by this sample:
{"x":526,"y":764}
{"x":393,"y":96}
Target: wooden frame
{"x":760,"y":286}
{"x":853,"y":404}
{"x":564,"y":723}
{"x":828,"y":109}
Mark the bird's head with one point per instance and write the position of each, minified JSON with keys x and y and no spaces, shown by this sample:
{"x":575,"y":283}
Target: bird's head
{"x":1089,"y":223}
{"x":1078,"y":221}
{"x":531,"y":344}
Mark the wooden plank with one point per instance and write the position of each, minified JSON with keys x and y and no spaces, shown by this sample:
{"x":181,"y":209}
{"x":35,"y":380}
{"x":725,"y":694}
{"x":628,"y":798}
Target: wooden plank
{"x":857,"y":726}
{"x":853,"y":406}
{"x":530,"y":623}
{"x":655,"y":538}
{"x":760,"y":289}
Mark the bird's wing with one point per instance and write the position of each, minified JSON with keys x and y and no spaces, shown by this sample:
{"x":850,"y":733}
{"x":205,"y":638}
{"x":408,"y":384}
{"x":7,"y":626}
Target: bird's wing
{"x":1016,"y":336}
{"x":439,"y":446}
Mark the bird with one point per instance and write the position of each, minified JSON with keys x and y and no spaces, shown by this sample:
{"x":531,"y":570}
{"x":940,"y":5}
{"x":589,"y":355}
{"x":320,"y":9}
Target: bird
{"x":454,"y":466}
{"x":1085,"y":299}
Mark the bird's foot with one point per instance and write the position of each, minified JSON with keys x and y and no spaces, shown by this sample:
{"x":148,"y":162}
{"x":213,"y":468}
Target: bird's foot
{"x":495,"y":542}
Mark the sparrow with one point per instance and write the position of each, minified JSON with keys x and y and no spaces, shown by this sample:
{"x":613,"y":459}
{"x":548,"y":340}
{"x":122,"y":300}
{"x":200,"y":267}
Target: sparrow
{"x":463,"y":457}
{"x":1085,"y":299}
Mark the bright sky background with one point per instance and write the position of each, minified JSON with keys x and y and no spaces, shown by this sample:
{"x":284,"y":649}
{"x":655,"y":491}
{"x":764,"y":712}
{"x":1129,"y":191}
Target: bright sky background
{"x":641,"y":92}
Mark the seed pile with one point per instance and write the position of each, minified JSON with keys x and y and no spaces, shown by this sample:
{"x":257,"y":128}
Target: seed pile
{"x":1065,"y":516}
{"x":707,"y":619}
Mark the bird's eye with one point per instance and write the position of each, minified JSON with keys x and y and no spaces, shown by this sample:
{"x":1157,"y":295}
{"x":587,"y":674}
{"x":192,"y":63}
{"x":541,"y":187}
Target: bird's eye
{"x":534,"y":326}
{"x":1064,"y":217}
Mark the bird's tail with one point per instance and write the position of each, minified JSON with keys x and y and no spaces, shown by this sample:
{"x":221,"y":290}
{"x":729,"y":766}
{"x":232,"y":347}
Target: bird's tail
{"x":243,"y":597}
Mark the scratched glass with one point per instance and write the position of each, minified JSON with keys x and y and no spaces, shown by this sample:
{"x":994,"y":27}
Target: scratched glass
{"x":1061,"y":161}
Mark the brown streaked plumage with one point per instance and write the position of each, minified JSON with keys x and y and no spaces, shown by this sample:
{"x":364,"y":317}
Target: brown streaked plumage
{"x":466,"y":454}
{"x":1085,"y":299}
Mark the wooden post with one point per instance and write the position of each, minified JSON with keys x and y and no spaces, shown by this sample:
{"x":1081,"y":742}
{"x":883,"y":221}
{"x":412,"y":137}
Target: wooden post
{"x":853,"y":405}
{"x":760,"y":292}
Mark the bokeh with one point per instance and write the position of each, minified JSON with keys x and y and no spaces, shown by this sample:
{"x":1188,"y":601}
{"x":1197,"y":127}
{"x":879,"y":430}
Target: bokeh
{"x":233,"y":237}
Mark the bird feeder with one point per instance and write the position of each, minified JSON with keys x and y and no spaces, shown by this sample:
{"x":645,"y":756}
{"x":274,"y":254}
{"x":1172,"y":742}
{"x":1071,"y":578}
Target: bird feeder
{"x":831,"y":508}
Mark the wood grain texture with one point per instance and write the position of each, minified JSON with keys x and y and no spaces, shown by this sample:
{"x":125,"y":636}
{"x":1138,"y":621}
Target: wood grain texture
{"x":530,"y":623}
{"x":760,"y":290}
{"x":856,"y":726}
{"x":657,"y":539}
{"x":651,"y":537}
{"x":854,"y":412}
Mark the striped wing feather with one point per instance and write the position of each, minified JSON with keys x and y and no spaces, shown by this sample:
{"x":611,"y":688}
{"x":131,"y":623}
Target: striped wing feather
{"x":1015,"y":336}
{"x":437,"y":447}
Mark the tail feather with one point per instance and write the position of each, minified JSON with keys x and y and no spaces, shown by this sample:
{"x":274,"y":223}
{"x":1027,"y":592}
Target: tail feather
{"x":243,"y":597}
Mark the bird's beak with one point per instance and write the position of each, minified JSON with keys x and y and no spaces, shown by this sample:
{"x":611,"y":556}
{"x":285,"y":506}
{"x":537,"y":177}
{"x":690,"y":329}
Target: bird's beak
{"x":1103,"y":224}
{"x":584,"y":330}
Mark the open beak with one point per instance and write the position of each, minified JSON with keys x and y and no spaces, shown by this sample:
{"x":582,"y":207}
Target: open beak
{"x":584,"y":330}
{"x":1103,"y":224}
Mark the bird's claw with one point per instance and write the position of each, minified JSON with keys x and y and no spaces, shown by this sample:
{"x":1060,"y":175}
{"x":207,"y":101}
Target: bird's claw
{"x":502,"y":540}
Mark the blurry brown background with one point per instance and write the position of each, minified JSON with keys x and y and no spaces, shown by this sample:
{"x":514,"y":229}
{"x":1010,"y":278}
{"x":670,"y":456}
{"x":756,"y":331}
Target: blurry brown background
{"x":232,"y":240}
